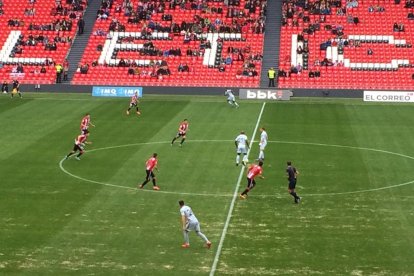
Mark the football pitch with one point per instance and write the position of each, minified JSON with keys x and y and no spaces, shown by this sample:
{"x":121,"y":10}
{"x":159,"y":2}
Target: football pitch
{"x":87,"y":217}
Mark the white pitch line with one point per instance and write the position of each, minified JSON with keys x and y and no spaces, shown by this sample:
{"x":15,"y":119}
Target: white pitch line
{"x":255,"y":195}
{"x":233,"y":201}
{"x":132,"y":188}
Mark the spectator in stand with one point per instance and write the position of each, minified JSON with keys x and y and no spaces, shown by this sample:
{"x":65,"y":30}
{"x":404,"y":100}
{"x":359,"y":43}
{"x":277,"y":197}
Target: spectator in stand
{"x":65,"y":70}
{"x":81,"y":26}
{"x":222,"y":67}
{"x":19,"y":68}
{"x":43,"y":70}
{"x":271,"y":74}
{"x":183,"y":67}
{"x":5,"y":87}
{"x":370,"y":52}
{"x":395,"y":27}
{"x":59,"y":70}
{"x":299,"y":68}
{"x":351,"y":4}
{"x":84,"y":68}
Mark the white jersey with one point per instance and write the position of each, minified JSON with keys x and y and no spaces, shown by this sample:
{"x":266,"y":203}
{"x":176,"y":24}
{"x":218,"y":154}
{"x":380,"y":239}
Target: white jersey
{"x":230,"y":96}
{"x":263,"y":138}
{"x":188,"y":213}
{"x":241,"y":141}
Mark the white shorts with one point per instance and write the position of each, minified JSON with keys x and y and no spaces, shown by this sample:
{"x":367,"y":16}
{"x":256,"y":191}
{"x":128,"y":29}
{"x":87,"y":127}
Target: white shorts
{"x":193,"y":226}
{"x":231,"y":98}
{"x":262,"y":146}
{"x":241,"y":150}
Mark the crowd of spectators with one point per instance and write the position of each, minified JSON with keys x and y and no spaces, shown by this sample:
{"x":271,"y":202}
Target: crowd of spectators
{"x":143,"y":12}
{"x":71,"y":7}
{"x":249,"y":17}
{"x":34,"y":40}
{"x":155,"y":69}
{"x":57,"y":25}
{"x":296,"y":13}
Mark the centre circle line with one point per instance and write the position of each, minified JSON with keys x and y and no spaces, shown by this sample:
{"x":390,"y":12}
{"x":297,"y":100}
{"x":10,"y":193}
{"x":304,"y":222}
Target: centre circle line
{"x":230,"y":195}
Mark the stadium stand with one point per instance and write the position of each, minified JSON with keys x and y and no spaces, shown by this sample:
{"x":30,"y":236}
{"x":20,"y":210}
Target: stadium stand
{"x":36,"y":35}
{"x":334,"y":44}
{"x":175,"y":43}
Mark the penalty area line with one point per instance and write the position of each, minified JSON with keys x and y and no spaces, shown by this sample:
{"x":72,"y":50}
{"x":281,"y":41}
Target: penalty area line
{"x":233,"y":200}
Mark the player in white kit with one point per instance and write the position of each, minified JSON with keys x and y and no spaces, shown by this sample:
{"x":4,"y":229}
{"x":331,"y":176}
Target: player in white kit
{"x":262,"y":143}
{"x":230,"y":98}
{"x":242,"y":145}
{"x":190,"y":223}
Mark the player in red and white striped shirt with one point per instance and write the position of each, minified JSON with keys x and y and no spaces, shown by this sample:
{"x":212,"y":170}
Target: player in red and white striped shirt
{"x":134,"y":102}
{"x":86,"y":122}
{"x":182,"y":130}
{"x":79,"y":145}
{"x":253,"y":171}
{"x":150,"y":165}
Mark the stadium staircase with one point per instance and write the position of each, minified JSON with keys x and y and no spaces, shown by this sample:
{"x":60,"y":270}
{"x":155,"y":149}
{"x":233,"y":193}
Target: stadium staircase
{"x":271,"y":40}
{"x":81,"y":41}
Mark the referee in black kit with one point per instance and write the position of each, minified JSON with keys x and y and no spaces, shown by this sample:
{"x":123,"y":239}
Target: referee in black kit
{"x":292,"y":174}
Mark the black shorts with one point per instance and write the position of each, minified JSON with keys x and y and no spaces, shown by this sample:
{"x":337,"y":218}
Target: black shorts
{"x":77,"y":147}
{"x":251,"y":183}
{"x":131,"y":105}
{"x":150,"y":174}
{"x":292,"y":184}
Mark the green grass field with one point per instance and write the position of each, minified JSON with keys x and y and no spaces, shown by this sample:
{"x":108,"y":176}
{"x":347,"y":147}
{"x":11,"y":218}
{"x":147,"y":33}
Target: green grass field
{"x":88,"y":218}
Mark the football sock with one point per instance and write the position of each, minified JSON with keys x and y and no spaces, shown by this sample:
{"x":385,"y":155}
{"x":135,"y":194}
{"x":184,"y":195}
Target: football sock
{"x":79,"y":154}
{"x":261,"y":155}
{"x":154,"y":182}
{"x":186,"y":238}
{"x":237,"y":159}
{"x":201,"y":235}
{"x":182,"y":141}
{"x":244,"y":158}
{"x":70,"y":154}
{"x":143,"y":183}
{"x":294,"y":195}
{"x":173,"y":140}
{"x":245,"y":192}
{"x":236,"y":104}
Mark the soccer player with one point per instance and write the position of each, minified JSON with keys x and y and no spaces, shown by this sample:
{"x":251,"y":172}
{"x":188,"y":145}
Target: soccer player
{"x":16,"y":88}
{"x":85,"y":123}
{"x":263,"y":143}
{"x":79,"y":146}
{"x":150,"y":165}
{"x":134,"y":103}
{"x":189,"y":222}
{"x":292,"y":175}
{"x":230,"y":98}
{"x":182,"y":130}
{"x":5,"y":87}
{"x":242,"y":145}
{"x":253,"y":171}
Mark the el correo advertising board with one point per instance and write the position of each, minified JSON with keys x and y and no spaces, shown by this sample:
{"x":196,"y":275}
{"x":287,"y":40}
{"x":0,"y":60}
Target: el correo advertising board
{"x":389,"y":96}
